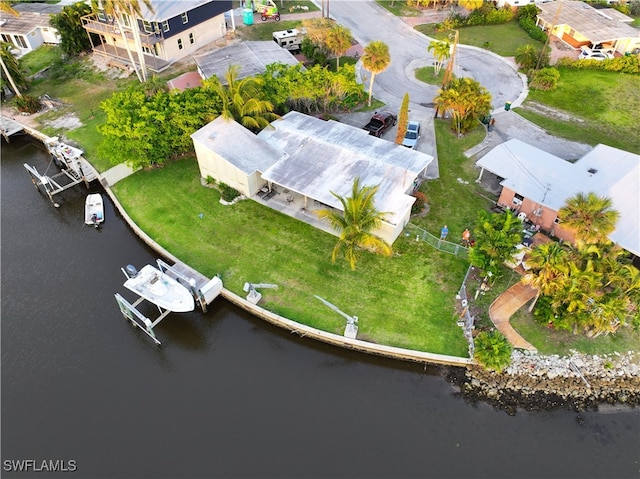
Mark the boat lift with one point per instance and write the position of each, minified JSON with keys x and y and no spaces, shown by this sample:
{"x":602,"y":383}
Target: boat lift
{"x":351,"y":330}
{"x":74,"y":170}
{"x":204,"y":291}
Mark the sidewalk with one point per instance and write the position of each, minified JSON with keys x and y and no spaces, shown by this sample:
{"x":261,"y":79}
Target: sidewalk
{"x":503,"y":308}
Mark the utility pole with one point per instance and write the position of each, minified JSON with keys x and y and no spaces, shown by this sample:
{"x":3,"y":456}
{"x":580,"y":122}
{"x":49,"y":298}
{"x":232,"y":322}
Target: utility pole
{"x":549,"y":33}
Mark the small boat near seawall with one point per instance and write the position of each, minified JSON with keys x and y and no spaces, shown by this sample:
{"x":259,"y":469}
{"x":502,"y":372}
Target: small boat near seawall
{"x":158,"y":288}
{"x":94,"y":210}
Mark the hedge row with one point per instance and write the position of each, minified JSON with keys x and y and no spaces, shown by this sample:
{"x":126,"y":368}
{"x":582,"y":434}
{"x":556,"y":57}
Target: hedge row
{"x":627,"y":64}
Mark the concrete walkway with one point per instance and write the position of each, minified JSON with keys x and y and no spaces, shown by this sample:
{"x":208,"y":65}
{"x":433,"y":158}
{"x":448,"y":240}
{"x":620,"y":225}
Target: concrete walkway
{"x":503,"y":308}
{"x":117,"y":173}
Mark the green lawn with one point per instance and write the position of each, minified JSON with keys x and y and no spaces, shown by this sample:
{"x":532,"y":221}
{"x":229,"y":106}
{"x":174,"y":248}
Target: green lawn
{"x":606,"y":106}
{"x":501,"y":39}
{"x":406,"y":300}
{"x":399,"y":8}
{"x":40,"y":58}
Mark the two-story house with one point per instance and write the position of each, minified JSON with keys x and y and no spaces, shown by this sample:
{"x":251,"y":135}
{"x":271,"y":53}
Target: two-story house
{"x":170,"y":31}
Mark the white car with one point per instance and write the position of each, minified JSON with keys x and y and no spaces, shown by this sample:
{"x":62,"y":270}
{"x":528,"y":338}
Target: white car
{"x":412,"y":135}
{"x":586,"y":54}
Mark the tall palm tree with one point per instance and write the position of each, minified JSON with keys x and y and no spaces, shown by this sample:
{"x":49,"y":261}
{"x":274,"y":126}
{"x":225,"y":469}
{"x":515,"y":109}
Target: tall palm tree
{"x":242,"y":100}
{"x":590,"y":217}
{"x":131,"y":8}
{"x":549,"y":269}
{"x":11,"y":69}
{"x":338,"y":41}
{"x":375,"y":59}
{"x":6,"y":53}
{"x":358,"y":218}
{"x":441,"y":51}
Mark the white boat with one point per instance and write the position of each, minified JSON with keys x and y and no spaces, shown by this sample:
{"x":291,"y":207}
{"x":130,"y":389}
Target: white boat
{"x":156,"y":287}
{"x":94,"y":210}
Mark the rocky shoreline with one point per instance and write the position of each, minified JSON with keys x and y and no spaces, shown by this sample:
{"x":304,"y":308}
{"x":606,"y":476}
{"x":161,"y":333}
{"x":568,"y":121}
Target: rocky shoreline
{"x":535,"y":382}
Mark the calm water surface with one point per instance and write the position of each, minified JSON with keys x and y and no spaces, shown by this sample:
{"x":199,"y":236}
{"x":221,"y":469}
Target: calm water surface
{"x":226,"y":395}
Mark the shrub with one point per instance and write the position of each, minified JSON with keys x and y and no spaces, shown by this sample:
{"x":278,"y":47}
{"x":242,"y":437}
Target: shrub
{"x":545,"y":79}
{"x":28,"y":104}
{"x":228,"y":193}
{"x":527,"y":11}
{"x":634,"y":8}
{"x":492,"y":350}
{"x":529,"y":26}
{"x":418,"y":205}
{"x":626,"y":64}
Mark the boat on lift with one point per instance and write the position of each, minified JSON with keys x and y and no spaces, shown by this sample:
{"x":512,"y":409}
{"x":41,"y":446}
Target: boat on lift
{"x":158,"y":288}
{"x":94,"y":210}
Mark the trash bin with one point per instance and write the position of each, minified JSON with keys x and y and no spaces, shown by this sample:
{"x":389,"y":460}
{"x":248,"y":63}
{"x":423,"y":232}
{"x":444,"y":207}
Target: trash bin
{"x":247,"y":16}
{"x":507,"y":106}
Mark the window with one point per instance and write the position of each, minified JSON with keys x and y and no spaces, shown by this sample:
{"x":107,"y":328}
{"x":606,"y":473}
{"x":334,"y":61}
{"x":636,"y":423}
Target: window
{"x":20,"y":41}
{"x":557,"y":220}
{"x":185,"y":18}
{"x":165,"y":26}
{"x":147,"y":26}
{"x":520,"y":197}
{"x":179,"y":43}
{"x":192,"y":38}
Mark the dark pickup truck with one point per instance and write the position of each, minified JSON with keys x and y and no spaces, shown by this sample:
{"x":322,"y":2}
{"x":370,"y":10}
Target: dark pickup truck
{"x":380,"y":121}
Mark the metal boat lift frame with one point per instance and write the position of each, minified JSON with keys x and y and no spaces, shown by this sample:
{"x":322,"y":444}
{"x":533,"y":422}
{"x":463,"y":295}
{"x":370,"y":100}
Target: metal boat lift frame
{"x":203,"y":295}
{"x":50,"y":185}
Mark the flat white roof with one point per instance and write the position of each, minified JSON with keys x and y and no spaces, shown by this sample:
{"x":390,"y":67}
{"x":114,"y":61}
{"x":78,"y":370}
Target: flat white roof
{"x":321,"y":157}
{"x":550,"y":181}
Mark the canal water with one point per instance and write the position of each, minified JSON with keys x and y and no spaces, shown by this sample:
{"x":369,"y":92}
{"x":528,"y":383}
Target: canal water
{"x":228,"y":395}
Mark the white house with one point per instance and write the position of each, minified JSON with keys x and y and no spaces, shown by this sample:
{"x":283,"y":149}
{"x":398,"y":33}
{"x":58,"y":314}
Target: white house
{"x":170,"y":32}
{"x":308,"y":158}
{"x":538,"y":184}
{"x":31,"y":28}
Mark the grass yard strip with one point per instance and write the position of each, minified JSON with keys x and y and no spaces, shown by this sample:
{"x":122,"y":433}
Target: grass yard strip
{"x":503,"y":39}
{"x":406,"y":300}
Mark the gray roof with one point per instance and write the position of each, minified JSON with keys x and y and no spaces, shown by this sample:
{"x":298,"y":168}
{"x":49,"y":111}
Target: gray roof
{"x":321,"y":157}
{"x":166,"y":9}
{"x":32,"y":16}
{"x":251,"y":57}
{"x":550,"y":181}
{"x":237,"y":145}
{"x":596,"y":25}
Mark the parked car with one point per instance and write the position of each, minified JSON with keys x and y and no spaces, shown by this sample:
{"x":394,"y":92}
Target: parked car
{"x":589,"y":54}
{"x":380,"y":121}
{"x":412,"y":135}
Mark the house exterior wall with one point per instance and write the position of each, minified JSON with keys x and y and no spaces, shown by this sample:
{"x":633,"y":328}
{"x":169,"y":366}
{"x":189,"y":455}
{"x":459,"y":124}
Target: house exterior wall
{"x":390,"y":232}
{"x":213,"y":165}
{"x":536,"y":214}
{"x":203,"y":33}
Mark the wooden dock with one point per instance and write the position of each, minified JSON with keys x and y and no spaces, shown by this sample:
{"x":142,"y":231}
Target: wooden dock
{"x":9,"y":127}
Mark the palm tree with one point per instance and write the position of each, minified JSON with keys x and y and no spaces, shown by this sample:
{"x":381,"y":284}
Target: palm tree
{"x":492,"y":350}
{"x":6,"y":53}
{"x":375,"y":59}
{"x":441,"y":52}
{"x":549,"y":269}
{"x":131,"y":8}
{"x":590,"y":217}
{"x":527,"y":56}
{"x":338,"y":41}
{"x":242,"y":100}
{"x":11,"y":69}
{"x":466,"y":100}
{"x":358,"y":218}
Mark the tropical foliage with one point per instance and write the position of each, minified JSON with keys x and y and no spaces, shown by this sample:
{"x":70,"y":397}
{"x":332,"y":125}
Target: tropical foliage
{"x":375,"y":59}
{"x":591,"y":217}
{"x":312,"y":90}
{"x":242,"y":99}
{"x":590,"y":287}
{"x":441,"y":52}
{"x":545,"y":79}
{"x":492,"y":350}
{"x":11,"y":70}
{"x":355,"y":223}
{"x":73,"y":37}
{"x":465,"y":100}
{"x":496,"y":237}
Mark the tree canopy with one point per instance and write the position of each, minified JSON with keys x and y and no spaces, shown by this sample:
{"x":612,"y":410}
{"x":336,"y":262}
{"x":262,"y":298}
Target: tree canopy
{"x":355,"y":223}
{"x":73,"y":37}
{"x":465,"y":100}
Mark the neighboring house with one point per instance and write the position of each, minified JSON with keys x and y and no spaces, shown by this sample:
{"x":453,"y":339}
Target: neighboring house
{"x":537,"y":184}
{"x":517,"y":3}
{"x":173,"y":31}
{"x":306,"y":159}
{"x":30,"y":29}
{"x":579,"y":24}
{"x":252,"y":57}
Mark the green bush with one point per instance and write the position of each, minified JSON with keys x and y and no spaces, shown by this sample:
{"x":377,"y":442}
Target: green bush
{"x":228,"y":193}
{"x":492,"y":350}
{"x":418,"y":205}
{"x":488,"y":14}
{"x":527,"y":11}
{"x":545,"y":79}
{"x":529,"y":26}
{"x":626,"y":64}
{"x":28,"y":104}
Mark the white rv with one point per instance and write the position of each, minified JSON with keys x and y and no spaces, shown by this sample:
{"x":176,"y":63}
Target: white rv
{"x":290,"y":39}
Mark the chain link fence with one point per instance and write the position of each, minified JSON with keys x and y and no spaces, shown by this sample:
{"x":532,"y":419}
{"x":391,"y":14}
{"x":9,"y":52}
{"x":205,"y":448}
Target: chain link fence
{"x":443,"y":245}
